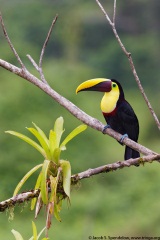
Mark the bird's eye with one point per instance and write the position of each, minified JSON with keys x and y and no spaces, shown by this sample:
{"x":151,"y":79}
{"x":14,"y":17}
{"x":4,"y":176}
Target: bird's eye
{"x":114,"y":85}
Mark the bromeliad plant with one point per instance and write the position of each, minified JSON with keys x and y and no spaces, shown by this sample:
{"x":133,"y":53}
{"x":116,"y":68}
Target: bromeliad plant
{"x":54,"y":179}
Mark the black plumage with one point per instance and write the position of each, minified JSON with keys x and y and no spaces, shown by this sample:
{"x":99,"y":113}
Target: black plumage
{"x":124,"y":120}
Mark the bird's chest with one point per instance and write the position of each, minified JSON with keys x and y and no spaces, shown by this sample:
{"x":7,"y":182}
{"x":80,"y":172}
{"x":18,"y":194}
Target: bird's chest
{"x":109,"y":102}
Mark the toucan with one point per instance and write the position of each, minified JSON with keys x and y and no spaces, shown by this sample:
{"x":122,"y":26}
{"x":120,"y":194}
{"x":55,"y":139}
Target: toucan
{"x":117,"y":112}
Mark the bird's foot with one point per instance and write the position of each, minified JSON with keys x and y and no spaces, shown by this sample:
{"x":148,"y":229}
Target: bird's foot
{"x":107,"y":126}
{"x":122,"y":138}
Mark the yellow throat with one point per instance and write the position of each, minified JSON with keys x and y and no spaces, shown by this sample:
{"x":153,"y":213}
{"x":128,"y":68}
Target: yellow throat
{"x":109,"y":100}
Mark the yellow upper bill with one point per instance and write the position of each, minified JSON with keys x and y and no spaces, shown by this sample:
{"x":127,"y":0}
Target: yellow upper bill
{"x":90,"y":83}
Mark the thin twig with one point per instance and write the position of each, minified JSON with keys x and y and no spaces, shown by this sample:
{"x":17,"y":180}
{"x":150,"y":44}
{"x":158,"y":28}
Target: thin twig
{"x":39,"y":67}
{"x":106,"y":15}
{"x":128,"y":54}
{"x":114,"y":12}
{"x":27,"y":196}
{"x":46,"y":41}
{"x":43,"y":50}
{"x":10,"y":44}
{"x":143,"y":92}
{"x":33,"y":62}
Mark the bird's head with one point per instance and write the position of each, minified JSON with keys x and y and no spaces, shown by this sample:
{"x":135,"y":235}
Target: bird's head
{"x":112,"y":89}
{"x":100,"y":85}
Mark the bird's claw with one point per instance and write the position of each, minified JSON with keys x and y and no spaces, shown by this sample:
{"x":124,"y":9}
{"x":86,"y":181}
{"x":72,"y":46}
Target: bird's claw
{"x":107,"y":126}
{"x":122,"y":138}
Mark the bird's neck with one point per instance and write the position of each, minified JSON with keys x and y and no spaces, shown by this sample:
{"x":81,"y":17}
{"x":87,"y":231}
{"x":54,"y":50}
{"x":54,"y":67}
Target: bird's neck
{"x":109,"y":101}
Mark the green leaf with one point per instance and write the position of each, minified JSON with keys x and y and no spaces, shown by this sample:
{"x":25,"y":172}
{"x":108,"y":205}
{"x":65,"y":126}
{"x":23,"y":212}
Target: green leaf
{"x":52,"y":142}
{"x":42,"y":141}
{"x":44,"y":190}
{"x":32,"y":238}
{"x":43,"y":135}
{"x":24,"y":179}
{"x":29,"y":141}
{"x":56,"y":155}
{"x":66,"y":172}
{"x":34,"y":231}
{"x":57,"y":209}
{"x":74,"y":133}
{"x":37,"y":186}
{"x":17,"y":235}
{"x":58,"y":128}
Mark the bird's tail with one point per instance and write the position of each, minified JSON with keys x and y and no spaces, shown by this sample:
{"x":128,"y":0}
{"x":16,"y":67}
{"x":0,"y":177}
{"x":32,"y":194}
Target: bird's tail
{"x":130,"y":153}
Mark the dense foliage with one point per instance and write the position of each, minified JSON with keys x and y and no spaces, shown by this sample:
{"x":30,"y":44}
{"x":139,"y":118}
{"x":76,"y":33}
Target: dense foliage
{"x":82,"y":46}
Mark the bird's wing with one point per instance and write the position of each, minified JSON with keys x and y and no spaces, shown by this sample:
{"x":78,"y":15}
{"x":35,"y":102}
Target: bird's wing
{"x":129,"y":120}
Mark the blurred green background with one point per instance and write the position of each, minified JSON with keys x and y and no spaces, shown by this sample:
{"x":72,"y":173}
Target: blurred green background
{"x":82,"y":46}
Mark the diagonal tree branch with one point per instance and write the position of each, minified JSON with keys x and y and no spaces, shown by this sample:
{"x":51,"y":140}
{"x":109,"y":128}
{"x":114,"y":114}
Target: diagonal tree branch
{"x":128,"y":54}
{"x":74,"y":110}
